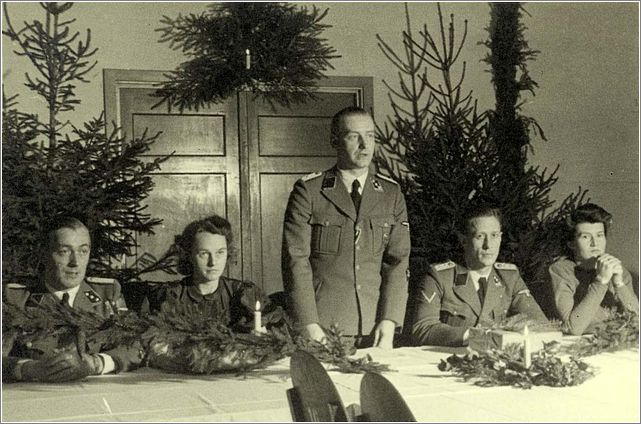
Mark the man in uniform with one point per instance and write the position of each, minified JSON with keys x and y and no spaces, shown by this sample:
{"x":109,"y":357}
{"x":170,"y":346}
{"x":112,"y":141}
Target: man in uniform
{"x":56,"y":359}
{"x":453,"y":297}
{"x":346,"y":242}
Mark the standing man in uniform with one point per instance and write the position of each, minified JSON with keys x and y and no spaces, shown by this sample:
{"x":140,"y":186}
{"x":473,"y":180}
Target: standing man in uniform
{"x":454,"y":297}
{"x":346,"y":242}
{"x":56,"y":359}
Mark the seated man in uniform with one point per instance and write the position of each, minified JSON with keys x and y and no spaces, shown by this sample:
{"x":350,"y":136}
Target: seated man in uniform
{"x":52,"y":359}
{"x":454,"y":297}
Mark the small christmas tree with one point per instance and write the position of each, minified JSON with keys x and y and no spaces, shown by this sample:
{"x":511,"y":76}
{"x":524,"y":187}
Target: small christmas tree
{"x":445,"y":153}
{"x":52,"y":168}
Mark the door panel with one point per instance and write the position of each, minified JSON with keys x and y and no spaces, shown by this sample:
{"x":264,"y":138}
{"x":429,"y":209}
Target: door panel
{"x":205,"y":133}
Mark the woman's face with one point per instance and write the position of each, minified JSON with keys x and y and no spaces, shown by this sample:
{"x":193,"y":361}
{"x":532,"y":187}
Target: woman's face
{"x":208,"y":257}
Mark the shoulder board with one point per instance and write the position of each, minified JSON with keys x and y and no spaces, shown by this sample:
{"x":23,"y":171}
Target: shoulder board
{"x":388,"y":179}
{"x":444,"y":266}
{"x":101,"y":280}
{"x":505,"y":265}
{"x":15,"y":286}
{"x":312,"y":176}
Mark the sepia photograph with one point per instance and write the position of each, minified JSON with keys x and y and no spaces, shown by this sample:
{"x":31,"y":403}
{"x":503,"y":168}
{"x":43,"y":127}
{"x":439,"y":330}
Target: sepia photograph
{"x":320,"y":211}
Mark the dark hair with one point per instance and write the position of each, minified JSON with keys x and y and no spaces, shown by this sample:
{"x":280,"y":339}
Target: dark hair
{"x":214,"y":224}
{"x":58,"y":223}
{"x":477,"y":209}
{"x":337,"y":119}
{"x":590,"y":213}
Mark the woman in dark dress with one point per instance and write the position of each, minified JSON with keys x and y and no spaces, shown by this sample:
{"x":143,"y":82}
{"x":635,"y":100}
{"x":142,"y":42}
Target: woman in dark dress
{"x":205,"y":247}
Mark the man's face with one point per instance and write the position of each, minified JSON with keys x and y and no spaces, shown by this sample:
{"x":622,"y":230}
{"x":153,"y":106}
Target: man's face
{"x":67,"y":259}
{"x":482,"y":242}
{"x":208,"y":257}
{"x":589,"y":241}
{"x":355,"y":142}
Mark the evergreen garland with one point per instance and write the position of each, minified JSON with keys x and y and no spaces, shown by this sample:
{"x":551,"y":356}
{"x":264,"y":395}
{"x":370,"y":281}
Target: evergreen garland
{"x":180,"y":338}
{"x":505,"y":367}
{"x":287,"y":55}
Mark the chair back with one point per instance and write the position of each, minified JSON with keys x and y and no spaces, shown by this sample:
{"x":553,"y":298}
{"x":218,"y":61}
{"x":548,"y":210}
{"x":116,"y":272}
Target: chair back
{"x":380,"y":401}
{"x":314,"y":397}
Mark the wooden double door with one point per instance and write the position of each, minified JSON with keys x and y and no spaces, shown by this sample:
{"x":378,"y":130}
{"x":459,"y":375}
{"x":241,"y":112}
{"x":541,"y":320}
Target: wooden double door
{"x":238,"y":159}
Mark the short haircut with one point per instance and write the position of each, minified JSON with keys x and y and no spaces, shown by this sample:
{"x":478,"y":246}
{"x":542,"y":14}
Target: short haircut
{"x":214,"y":224}
{"x":337,"y":119}
{"x":590,"y":213}
{"x":58,"y":223}
{"x":478,"y":209}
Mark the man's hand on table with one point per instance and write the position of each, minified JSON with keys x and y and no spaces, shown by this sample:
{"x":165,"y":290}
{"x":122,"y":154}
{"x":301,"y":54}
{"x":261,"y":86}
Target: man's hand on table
{"x":315,"y":332}
{"x":384,"y":334}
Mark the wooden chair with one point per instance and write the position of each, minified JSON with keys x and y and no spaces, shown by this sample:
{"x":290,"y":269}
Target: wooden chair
{"x":380,"y":401}
{"x":314,"y":397}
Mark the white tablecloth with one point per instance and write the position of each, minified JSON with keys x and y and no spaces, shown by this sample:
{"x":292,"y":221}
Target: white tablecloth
{"x":432,"y":395}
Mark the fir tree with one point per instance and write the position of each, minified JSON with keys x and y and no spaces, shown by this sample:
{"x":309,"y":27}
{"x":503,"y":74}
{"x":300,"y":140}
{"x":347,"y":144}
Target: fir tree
{"x":445,"y":153}
{"x":273,"y":49}
{"x":53,"y":168}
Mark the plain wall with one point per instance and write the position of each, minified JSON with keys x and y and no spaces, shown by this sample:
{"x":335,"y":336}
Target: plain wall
{"x":587,"y":71}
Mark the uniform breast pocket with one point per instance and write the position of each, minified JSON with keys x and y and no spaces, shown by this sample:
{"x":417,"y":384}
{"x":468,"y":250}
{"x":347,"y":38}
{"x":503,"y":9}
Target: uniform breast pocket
{"x":326,"y":234}
{"x":381,"y":229}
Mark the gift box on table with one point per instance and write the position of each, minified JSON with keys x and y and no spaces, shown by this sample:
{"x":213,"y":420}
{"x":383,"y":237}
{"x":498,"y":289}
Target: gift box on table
{"x":481,"y":339}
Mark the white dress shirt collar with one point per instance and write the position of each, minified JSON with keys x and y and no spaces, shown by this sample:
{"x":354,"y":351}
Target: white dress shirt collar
{"x":59,"y":293}
{"x":348,"y":180}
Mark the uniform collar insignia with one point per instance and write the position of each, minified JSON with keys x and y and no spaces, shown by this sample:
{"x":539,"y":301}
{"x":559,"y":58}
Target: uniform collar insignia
{"x":497,"y":281}
{"x":93,"y":296}
{"x":329,"y":182}
{"x":377,"y":185}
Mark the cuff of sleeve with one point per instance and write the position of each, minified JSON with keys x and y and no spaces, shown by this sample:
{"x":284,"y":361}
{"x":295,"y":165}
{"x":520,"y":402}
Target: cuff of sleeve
{"x":108,"y":362}
{"x":17,"y":371}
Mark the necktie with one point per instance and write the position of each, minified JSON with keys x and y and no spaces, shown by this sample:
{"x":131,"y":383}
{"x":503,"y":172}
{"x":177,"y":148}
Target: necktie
{"x":65,"y":299}
{"x":482,"y":289}
{"x":356,"y":195}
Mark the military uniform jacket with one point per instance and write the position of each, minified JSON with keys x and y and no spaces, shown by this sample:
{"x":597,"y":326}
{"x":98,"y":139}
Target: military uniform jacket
{"x":582,"y":302}
{"x":100,"y":297}
{"x":233,"y":302}
{"x":340,"y":267}
{"x":448,"y":303}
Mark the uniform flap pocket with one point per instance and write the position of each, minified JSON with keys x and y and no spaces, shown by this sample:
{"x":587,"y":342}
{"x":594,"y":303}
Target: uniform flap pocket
{"x":451,"y":308}
{"x":327,"y":220}
{"x":381,"y":221}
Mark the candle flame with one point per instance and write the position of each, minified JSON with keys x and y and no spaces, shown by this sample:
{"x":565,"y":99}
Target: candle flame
{"x":525,"y":331}
{"x":247,"y":51}
{"x":258,"y":305}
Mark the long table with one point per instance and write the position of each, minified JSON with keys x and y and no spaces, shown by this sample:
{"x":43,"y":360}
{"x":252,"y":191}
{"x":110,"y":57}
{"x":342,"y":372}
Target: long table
{"x":432,"y":395}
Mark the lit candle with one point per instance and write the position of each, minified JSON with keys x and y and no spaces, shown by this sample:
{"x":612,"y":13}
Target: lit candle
{"x":248,"y":59}
{"x":527,"y":348}
{"x":258,"y":325}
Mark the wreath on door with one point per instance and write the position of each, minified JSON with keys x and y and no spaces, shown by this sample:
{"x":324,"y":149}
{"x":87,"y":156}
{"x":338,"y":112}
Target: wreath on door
{"x":271,"y":49}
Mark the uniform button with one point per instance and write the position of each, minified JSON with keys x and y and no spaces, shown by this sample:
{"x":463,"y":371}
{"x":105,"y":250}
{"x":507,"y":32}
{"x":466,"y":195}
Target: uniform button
{"x":357,"y":228}
{"x":358,"y":247}
{"x":358,"y":267}
{"x":326,"y":223}
{"x":29,"y":344}
{"x":386,"y":225}
{"x":358,"y":287}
